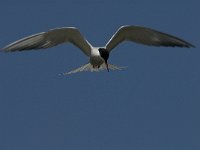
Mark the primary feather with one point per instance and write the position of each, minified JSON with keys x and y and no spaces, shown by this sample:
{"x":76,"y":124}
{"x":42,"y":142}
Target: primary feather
{"x":145,"y":36}
{"x":51,"y":38}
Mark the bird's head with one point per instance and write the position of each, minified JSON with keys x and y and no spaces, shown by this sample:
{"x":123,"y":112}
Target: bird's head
{"x":105,"y":55}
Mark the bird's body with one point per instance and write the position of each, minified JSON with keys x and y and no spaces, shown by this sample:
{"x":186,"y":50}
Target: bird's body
{"x":98,"y":56}
{"x":95,"y":58}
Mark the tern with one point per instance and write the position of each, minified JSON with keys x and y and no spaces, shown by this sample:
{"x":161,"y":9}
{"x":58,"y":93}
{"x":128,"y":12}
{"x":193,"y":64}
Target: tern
{"x":98,"y":56}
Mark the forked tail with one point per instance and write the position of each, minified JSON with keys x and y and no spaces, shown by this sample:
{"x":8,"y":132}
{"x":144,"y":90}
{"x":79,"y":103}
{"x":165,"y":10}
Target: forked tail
{"x":89,"y":67}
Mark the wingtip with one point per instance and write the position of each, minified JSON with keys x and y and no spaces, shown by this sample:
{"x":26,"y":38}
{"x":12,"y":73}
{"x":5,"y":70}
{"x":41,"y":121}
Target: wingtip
{"x":4,"y":50}
{"x":189,"y":45}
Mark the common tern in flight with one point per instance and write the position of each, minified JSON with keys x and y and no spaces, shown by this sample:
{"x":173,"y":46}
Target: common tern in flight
{"x":98,"y":56}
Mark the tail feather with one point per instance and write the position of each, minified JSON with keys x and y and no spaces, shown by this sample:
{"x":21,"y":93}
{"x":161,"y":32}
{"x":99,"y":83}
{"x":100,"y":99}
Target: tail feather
{"x":89,"y":67}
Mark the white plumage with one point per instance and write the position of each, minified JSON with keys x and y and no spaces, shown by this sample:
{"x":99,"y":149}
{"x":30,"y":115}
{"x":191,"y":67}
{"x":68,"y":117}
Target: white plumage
{"x":98,"y":56}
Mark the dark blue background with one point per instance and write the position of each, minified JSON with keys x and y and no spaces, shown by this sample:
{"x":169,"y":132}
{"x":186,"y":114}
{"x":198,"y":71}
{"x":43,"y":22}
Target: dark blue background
{"x":151,"y":105}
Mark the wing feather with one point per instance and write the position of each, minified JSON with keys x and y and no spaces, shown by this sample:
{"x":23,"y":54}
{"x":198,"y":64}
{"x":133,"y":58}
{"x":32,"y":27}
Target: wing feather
{"x":144,"y":36}
{"x":51,"y":38}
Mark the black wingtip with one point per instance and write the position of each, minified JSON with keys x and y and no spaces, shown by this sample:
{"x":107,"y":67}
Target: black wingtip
{"x":189,"y":46}
{"x":181,"y":44}
{"x":186,"y":44}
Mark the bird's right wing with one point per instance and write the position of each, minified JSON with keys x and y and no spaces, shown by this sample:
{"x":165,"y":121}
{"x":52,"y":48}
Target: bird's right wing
{"x":51,"y":38}
{"x":144,"y":36}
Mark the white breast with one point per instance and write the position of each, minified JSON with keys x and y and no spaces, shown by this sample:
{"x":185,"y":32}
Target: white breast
{"x":95,"y":52}
{"x":95,"y":58}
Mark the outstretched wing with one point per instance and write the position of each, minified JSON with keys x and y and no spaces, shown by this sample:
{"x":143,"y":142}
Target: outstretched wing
{"x":51,"y":38}
{"x":145,"y":36}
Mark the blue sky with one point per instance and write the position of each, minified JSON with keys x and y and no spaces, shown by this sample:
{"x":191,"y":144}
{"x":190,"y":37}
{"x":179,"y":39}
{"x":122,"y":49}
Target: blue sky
{"x":153,"y":104}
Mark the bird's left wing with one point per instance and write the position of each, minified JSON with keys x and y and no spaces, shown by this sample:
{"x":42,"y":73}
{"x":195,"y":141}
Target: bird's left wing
{"x":51,"y":38}
{"x":145,"y":36}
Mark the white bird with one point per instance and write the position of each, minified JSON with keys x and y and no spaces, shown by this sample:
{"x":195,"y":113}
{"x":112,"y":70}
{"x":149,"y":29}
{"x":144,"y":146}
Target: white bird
{"x":98,"y":56}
